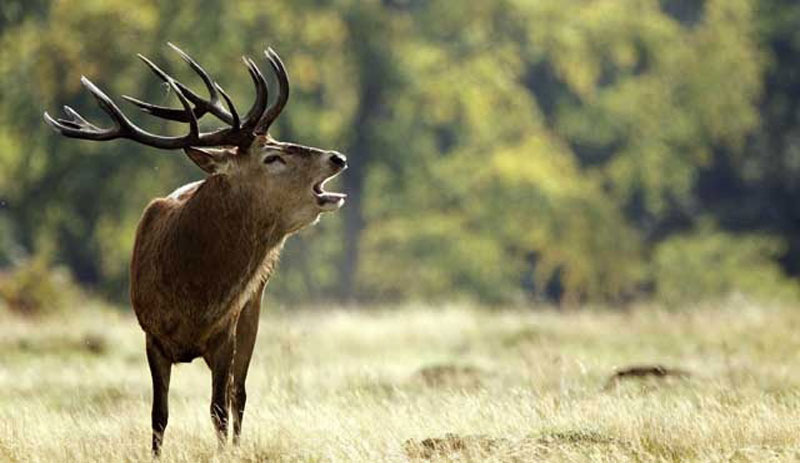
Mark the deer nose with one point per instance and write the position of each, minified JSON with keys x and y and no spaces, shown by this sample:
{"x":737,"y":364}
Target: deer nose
{"x":338,"y":160}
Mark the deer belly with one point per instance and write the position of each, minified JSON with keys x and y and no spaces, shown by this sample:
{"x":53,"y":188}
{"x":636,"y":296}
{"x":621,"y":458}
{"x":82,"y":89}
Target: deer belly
{"x":184,"y":337}
{"x":187,"y":327}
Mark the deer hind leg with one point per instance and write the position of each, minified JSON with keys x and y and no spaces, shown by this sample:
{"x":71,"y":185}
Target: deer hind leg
{"x":246,"y":331}
{"x":160,"y":371}
{"x":220,"y":360}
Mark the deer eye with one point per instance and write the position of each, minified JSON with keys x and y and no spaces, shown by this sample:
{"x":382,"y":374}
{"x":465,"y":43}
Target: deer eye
{"x":273,"y":158}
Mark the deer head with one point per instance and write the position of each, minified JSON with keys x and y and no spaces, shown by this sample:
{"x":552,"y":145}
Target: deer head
{"x":288,"y":177}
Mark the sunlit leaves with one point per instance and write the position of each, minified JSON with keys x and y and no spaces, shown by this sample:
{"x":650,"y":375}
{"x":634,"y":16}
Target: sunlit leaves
{"x":711,"y":262}
{"x":516,"y":145}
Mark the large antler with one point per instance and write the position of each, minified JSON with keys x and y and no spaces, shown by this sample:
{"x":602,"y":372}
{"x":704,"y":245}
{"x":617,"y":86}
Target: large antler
{"x":239,"y":132}
{"x":283,"y":93}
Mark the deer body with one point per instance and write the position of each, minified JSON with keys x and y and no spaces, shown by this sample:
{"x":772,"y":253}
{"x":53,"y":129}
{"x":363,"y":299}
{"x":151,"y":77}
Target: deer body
{"x":203,"y":255}
{"x":197,"y":260}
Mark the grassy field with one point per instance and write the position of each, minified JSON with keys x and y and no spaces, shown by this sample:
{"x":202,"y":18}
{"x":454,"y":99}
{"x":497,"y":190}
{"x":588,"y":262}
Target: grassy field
{"x":422,"y":384}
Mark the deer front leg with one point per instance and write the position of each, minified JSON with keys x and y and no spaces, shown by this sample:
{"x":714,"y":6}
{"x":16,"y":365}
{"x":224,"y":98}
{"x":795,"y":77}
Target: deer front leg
{"x":220,"y":360}
{"x":246,"y":331}
{"x":160,"y":370}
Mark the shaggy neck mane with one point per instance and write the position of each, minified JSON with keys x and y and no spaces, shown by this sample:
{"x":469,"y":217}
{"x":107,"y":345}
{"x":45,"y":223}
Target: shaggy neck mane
{"x":225,"y":230}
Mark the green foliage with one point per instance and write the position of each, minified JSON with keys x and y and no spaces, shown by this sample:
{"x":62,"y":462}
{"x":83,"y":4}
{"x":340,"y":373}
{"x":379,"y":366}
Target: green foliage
{"x":709,"y":264}
{"x":499,"y":150}
{"x":35,"y":288}
{"x":646,"y":98}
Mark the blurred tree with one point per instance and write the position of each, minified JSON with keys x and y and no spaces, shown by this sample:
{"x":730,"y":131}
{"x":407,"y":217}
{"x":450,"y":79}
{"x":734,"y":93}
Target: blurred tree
{"x":499,"y":150}
{"x":760,"y":190}
{"x":694,"y":265}
{"x":370,"y":31}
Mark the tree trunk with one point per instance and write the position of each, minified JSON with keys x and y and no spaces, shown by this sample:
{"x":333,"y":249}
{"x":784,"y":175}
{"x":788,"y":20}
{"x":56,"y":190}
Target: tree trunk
{"x":370,"y":47}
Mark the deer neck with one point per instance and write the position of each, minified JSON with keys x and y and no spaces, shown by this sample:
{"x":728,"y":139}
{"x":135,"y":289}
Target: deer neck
{"x":233,"y":234}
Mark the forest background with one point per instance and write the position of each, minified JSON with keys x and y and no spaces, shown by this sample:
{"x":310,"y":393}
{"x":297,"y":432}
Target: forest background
{"x":504,"y":151}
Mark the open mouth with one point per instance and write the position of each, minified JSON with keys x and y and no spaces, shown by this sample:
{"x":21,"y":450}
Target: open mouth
{"x":327,"y":200}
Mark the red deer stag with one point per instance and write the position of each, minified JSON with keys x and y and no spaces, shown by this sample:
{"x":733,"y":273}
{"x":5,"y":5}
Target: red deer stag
{"x":204,"y":253}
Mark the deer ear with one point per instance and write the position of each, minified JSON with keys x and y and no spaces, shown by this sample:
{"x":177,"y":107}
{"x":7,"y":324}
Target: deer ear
{"x":211,"y":160}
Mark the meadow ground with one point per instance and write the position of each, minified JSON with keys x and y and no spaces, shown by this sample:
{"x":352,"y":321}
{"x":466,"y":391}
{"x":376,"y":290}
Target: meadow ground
{"x":418,"y":384}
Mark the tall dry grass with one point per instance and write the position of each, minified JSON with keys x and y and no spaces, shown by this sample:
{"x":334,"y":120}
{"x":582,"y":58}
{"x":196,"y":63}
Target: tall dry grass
{"x":422,"y":384}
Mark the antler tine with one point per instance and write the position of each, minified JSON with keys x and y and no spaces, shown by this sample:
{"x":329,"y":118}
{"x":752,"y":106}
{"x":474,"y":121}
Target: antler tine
{"x":214,"y":98}
{"x":213,"y":105}
{"x":162,"y":112}
{"x":75,"y":121}
{"x":283,"y":92}
{"x":262,"y":95}
{"x":71,"y":127}
{"x":74,"y":129}
{"x":106,"y":104}
{"x":194,"y":126}
{"x":78,"y":118}
{"x":235,"y":123}
{"x":78,"y":127}
{"x":69,"y":123}
{"x":202,"y":106}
